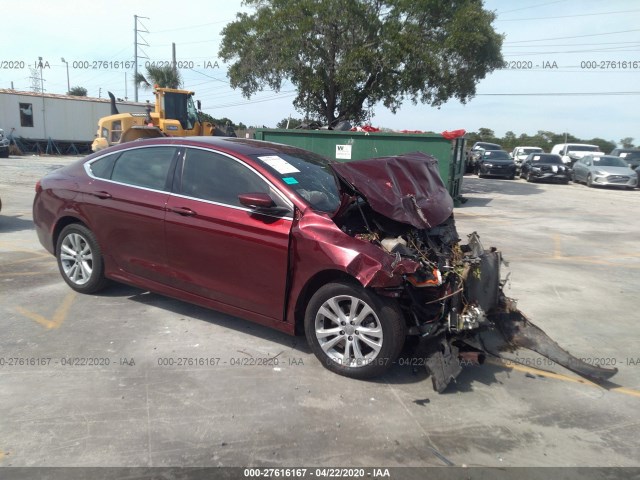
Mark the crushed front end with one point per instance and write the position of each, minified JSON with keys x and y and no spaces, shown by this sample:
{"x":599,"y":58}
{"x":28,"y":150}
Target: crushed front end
{"x":453,"y":298}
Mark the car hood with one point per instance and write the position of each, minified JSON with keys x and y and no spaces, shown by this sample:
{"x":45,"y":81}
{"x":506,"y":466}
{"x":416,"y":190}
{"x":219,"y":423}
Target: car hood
{"x":612,"y":170}
{"x":406,"y":188}
{"x":498,"y":161}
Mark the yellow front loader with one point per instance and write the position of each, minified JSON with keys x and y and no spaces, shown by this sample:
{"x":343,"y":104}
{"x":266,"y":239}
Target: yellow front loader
{"x":175,"y":115}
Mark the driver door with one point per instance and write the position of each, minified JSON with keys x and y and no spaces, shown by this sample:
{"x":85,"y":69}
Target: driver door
{"x":220,"y":249}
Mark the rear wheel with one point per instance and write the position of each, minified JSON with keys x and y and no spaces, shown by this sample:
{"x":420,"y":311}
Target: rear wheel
{"x":80,"y":259}
{"x":353,"y":331}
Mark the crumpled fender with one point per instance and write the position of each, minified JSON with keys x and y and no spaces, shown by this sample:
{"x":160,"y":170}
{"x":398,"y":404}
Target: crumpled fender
{"x":318,"y":244}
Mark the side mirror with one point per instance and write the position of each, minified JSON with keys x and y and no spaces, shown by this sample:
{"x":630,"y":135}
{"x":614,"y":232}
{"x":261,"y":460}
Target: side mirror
{"x":256,"y":200}
{"x":261,"y":203}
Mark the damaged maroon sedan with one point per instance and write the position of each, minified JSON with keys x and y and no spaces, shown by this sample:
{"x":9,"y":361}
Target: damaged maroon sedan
{"x":358,"y":256}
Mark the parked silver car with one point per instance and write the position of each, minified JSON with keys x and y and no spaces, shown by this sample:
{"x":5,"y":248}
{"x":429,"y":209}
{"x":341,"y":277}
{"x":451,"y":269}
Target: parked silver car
{"x":604,"y":170}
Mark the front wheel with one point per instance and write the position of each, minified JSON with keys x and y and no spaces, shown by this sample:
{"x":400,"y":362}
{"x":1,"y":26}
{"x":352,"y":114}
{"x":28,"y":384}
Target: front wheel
{"x":80,"y":259}
{"x":529,"y":177}
{"x":589,"y":181}
{"x":353,"y":331}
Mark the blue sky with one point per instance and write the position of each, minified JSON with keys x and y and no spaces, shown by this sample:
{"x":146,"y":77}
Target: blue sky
{"x":569,"y":37}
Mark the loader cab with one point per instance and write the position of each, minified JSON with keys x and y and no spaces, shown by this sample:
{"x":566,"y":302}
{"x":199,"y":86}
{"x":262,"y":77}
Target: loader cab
{"x":177,"y":112}
{"x":181,"y":107}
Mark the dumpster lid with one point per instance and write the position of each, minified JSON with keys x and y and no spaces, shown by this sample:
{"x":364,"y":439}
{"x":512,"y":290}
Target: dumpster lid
{"x":406,"y":188}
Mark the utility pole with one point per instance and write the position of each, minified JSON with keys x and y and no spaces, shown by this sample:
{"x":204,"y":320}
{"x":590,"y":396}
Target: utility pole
{"x":174,"y":65}
{"x":44,"y":117}
{"x":68,"y":84}
{"x":135,"y":52}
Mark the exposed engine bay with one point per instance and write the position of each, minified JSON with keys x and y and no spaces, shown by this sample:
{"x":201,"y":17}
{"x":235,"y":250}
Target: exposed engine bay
{"x":453,"y":301}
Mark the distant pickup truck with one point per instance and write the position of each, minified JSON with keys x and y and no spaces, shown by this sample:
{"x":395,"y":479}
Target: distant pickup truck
{"x":4,"y":145}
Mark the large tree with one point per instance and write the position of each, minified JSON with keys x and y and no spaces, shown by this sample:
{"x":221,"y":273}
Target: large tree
{"x":344,"y":54}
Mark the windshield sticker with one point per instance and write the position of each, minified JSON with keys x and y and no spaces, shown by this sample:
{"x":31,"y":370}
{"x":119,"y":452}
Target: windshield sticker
{"x":536,"y":157}
{"x":280,"y":165}
{"x":623,"y":154}
{"x":289,"y":180}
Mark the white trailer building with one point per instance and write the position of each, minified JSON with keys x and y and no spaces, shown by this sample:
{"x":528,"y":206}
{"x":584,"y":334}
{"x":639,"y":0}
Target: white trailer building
{"x":61,"y":118}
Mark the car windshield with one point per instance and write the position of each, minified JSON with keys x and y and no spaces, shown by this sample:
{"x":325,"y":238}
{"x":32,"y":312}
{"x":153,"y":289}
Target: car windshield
{"x":530,"y":150}
{"x":496,"y":155}
{"x":307,"y":174}
{"x":609,"y":162}
{"x":553,"y":159}
{"x":630,"y":155}
{"x":582,"y":148}
{"x":487,"y":146}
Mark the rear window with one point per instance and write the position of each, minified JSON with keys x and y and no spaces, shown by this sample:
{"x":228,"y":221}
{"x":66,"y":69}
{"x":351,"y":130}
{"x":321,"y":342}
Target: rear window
{"x":144,"y":167}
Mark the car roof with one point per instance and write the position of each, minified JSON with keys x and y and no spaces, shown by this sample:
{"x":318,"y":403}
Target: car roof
{"x":243,"y":146}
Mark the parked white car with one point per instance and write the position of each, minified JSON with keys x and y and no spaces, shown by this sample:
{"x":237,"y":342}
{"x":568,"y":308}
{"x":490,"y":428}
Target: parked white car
{"x":572,"y":152}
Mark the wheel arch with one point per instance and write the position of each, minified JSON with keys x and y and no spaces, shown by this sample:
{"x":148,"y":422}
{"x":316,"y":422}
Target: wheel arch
{"x":61,"y":224}
{"x":311,"y":287}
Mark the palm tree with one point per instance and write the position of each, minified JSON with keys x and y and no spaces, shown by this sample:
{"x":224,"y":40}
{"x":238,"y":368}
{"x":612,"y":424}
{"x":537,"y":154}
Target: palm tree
{"x":164,"y":77}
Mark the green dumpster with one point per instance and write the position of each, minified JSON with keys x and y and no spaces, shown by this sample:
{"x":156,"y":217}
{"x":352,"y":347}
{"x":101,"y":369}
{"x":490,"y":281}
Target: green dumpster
{"x":348,"y":146}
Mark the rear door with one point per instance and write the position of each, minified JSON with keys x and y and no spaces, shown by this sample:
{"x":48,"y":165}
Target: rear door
{"x":220,"y":249}
{"x":126,"y":203}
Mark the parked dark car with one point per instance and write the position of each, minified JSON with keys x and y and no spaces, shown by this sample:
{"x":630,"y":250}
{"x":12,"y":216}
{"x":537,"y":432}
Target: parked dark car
{"x":475,"y":154}
{"x":629,"y":155}
{"x":545,"y":167}
{"x":496,"y":163}
{"x":358,"y":256}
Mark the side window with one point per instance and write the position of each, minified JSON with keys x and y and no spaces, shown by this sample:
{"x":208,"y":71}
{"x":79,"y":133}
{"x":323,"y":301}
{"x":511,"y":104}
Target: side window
{"x":217,"y":178}
{"x":103,"y":167}
{"x":144,"y":167}
{"x":26,"y":114}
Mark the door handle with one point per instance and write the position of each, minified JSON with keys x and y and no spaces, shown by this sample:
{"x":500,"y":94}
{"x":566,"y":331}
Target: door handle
{"x":184,"y":211}
{"x":102,"y":194}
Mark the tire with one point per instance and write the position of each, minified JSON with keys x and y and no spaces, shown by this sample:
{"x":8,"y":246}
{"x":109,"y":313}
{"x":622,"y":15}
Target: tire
{"x":589,"y":181}
{"x":334,"y":324}
{"x":80,"y":259}
{"x":512,"y":177}
{"x":529,"y":178}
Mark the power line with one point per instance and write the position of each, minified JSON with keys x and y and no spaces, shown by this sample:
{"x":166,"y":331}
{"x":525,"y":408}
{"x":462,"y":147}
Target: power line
{"x":532,"y":6}
{"x":575,"y":36}
{"x":566,"y":16}
{"x":555,"y":94}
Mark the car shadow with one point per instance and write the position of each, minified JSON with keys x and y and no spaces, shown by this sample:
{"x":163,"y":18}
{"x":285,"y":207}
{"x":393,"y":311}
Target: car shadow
{"x":407,"y":369}
{"x":14,"y":223}
{"x":190,"y":310}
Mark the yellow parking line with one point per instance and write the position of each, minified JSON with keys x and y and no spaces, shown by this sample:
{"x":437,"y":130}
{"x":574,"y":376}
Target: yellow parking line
{"x":58,"y":317}
{"x":557,"y":247}
{"x":558,"y":376}
{"x":24,"y":274}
